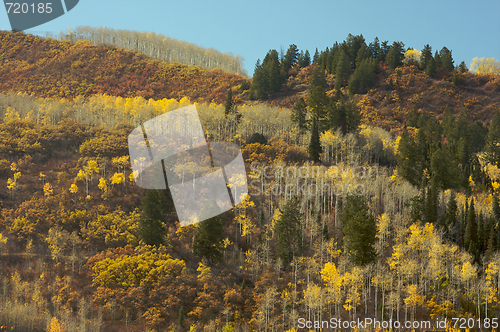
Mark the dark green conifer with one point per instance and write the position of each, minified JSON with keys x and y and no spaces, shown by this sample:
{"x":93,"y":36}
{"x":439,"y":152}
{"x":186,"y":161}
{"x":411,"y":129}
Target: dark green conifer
{"x":299,"y":113}
{"x":343,"y":71}
{"x":431,"y":68}
{"x":470,"y":237}
{"x":425,"y":56}
{"x":207,"y":241}
{"x":358,"y":229}
{"x":229,"y":102}
{"x":315,"y":148}
{"x":288,"y":231}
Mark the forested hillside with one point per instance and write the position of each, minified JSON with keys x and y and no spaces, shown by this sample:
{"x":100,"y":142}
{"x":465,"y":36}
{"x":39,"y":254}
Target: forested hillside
{"x":389,"y":83}
{"x":158,"y":47}
{"x":46,"y":67}
{"x":374,"y":194}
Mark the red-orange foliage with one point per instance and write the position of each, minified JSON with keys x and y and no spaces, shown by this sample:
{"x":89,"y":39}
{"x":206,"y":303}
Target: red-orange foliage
{"x":51,"y":68}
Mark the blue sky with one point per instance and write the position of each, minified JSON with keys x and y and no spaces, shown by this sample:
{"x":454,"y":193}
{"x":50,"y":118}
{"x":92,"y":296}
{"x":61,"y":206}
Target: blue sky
{"x":251,"y":28}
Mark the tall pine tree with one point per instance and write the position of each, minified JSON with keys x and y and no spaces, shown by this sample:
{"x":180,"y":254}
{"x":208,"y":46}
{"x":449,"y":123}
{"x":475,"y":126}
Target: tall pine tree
{"x":288,"y":231}
{"x":358,"y":229}
{"x":315,"y":148}
{"x":207,"y":241}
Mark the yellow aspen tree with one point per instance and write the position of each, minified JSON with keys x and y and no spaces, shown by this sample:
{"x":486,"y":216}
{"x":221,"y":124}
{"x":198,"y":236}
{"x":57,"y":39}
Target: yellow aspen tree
{"x":102,"y":185}
{"x":468,"y":273}
{"x":121,"y":163}
{"x":56,"y":326}
{"x":117,"y":178}
{"x":333,"y":281}
{"x":485,"y":65}
{"x":312,"y":298}
{"x":11,"y":187}
{"x":414,"y":299}
{"x":382,"y":222}
{"x":48,"y":190}
{"x":243,"y":219}
{"x":411,"y":56}
{"x":491,"y":285}
{"x":73,"y":190}
{"x":133,"y":175}
{"x":353,"y":281}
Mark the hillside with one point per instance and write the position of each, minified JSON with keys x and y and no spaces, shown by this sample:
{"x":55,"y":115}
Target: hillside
{"x":389,"y":106}
{"x":158,"y":47}
{"x":60,"y":69}
{"x":349,"y":214}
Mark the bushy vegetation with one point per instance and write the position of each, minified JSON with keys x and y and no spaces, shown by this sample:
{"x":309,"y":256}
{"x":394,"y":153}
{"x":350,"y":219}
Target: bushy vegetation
{"x":35,"y":65}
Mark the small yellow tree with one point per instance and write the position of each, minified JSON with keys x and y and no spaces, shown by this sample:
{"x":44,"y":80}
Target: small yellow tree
{"x":102,"y":185}
{"x":48,"y":190}
{"x":56,"y":326}
{"x":485,"y":66}
{"x":117,"y":178}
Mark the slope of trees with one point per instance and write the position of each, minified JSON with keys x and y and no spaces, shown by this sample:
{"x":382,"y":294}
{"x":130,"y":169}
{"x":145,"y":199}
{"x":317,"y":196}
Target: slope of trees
{"x":159,"y":47}
{"x":370,"y":224}
{"x":46,"y":67}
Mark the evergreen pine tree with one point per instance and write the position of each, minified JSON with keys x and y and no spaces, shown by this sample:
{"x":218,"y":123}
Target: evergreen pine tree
{"x":317,"y":78}
{"x":462,"y":68}
{"x":425,"y":56}
{"x":431,"y":68}
{"x":207,"y":241}
{"x":374,"y":48}
{"x":454,"y":80}
{"x":259,"y":85}
{"x":180,"y":319}
{"x":272,"y":72}
{"x":315,"y":148}
{"x":307,"y":59}
{"x":492,"y":242}
{"x":156,"y":206}
{"x":291,"y":57}
{"x":362,"y":78}
{"x":437,"y":59}
{"x":343,"y":71}
{"x":299,"y":113}
{"x":363,"y":54}
{"x":452,"y":226}
{"x":408,"y":164}
{"x":345,"y":115}
{"x":482,"y":234}
{"x":358,"y":229}
{"x":446,"y":59}
{"x":243,"y":286}
{"x":288,"y":231}
{"x":318,"y":103}
{"x":431,"y":203}
{"x":300,"y":59}
{"x":258,"y":138}
{"x":445,"y":168}
{"x":470,"y":237}
{"x":390,"y":58}
{"x":229,"y":102}
{"x":384,"y":49}
{"x":316,"y":56}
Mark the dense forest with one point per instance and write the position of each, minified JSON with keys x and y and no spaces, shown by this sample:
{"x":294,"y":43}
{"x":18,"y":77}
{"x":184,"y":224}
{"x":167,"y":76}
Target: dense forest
{"x":373,"y":178}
